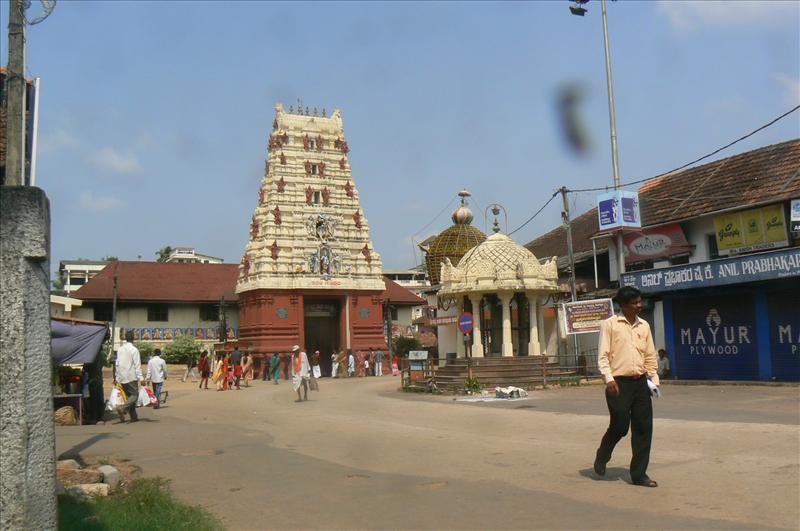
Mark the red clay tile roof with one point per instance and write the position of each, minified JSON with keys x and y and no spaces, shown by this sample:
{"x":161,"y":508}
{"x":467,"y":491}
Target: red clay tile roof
{"x":554,"y":243}
{"x":157,"y":281}
{"x":174,"y":282}
{"x":397,"y":294}
{"x":765,"y":175}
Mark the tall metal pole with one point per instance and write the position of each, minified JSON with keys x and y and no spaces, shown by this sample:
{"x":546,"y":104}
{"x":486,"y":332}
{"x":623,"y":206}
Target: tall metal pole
{"x":15,"y":86}
{"x":612,"y":119}
{"x":571,"y":256}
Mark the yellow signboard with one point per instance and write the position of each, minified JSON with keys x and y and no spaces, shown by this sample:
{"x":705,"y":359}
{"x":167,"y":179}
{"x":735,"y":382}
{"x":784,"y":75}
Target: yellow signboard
{"x":751,"y":230}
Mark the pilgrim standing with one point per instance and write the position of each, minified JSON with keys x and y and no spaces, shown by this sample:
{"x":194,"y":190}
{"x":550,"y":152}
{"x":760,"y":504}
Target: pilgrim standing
{"x":300,"y":372}
{"x":247,"y":369}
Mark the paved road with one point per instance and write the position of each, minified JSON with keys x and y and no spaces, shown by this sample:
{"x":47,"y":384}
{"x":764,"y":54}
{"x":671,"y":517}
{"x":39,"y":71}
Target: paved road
{"x":360,"y":455}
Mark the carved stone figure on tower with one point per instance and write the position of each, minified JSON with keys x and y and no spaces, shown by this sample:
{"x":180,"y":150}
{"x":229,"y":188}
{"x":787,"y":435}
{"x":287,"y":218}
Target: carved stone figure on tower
{"x":326,"y":195}
{"x":274,"y":250}
{"x":367,"y":254}
{"x":319,"y":142}
{"x":281,"y":184}
{"x":277,"y":215}
{"x":357,"y":219}
{"x":348,"y":189}
{"x":283,"y":159}
{"x":307,"y":166}
{"x":309,"y":195}
{"x":322,"y":169}
{"x":341,"y":163}
{"x":306,"y":142}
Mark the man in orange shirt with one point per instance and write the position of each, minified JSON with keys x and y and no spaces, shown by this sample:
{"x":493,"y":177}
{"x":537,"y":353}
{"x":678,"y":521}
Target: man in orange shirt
{"x":627,"y":359}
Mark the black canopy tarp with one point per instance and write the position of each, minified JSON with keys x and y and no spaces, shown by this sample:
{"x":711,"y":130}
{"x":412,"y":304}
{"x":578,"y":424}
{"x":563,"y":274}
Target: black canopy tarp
{"x":76,"y":341}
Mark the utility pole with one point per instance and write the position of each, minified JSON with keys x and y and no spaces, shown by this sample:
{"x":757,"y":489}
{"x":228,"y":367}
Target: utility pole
{"x":612,"y":121}
{"x":571,"y":256}
{"x":15,"y":94}
{"x":113,"y":316}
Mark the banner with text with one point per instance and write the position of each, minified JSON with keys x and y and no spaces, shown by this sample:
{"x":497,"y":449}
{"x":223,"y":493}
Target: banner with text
{"x":582,"y":317}
{"x":757,"y":229}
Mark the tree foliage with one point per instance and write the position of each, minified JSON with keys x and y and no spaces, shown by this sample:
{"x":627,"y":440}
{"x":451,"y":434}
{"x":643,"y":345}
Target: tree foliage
{"x":403,"y":344}
{"x":163,"y":253}
{"x":180,"y":349}
{"x":109,"y":258}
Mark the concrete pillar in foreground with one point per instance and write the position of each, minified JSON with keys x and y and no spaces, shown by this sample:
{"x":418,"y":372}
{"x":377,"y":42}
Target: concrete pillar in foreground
{"x":27,"y":434}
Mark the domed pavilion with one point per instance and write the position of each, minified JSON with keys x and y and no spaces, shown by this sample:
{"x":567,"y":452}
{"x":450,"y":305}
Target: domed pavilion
{"x":504,"y":286}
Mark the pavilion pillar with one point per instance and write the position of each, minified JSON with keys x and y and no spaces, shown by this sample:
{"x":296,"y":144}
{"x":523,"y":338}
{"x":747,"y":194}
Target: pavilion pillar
{"x":508,"y":345}
{"x":461,"y":351}
{"x":534,"y":346}
{"x":477,"y":343}
{"x":542,"y":331}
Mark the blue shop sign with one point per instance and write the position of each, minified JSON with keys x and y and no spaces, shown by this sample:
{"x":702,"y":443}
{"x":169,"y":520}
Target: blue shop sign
{"x":784,"y":332}
{"x":715,"y":338}
{"x":751,"y":268}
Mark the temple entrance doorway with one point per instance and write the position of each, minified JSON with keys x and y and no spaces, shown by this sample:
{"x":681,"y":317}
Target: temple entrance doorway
{"x":322,"y":330}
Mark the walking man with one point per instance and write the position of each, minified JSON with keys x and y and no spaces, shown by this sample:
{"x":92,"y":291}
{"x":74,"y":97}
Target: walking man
{"x":128,"y":374}
{"x":334,"y":364}
{"x":236,"y":361}
{"x":351,"y":364}
{"x":191,"y":368}
{"x":300,"y":372}
{"x":157,"y":373}
{"x":627,"y":359}
{"x":379,"y":363}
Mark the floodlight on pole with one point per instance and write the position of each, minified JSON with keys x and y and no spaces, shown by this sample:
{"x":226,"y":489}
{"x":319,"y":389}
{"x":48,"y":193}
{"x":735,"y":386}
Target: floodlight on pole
{"x":612,"y":119}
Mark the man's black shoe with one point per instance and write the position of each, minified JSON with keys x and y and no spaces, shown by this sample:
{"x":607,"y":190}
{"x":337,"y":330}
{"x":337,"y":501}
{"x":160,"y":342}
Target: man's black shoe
{"x":645,"y":482}
{"x":599,"y":468}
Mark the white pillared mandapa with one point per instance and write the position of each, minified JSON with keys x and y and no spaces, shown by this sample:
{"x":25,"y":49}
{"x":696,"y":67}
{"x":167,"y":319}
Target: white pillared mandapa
{"x":498,"y":264}
{"x":308,"y":230}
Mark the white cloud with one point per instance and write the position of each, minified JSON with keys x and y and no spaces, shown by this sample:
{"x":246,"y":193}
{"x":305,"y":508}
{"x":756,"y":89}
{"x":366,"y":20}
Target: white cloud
{"x":791,"y":88}
{"x":688,"y":16}
{"x":56,"y":140}
{"x":98,"y":204}
{"x":112,"y":160}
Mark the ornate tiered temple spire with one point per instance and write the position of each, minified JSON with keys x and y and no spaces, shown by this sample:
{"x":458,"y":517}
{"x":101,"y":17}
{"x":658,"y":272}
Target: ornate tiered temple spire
{"x":309,"y":230}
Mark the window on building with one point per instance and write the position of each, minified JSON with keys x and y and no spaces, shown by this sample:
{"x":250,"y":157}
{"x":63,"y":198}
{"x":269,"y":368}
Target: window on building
{"x":713,"y":251}
{"x":103,"y":311}
{"x":77,"y":281}
{"x":209,"y":312}
{"x":393,"y":313}
{"x":315,"y":169}
{"x":317,"y":198}
{"x":312,"y":143}
{"x":157,"y":312}
{"x":640,"y":266}
{"x":679,"y":260}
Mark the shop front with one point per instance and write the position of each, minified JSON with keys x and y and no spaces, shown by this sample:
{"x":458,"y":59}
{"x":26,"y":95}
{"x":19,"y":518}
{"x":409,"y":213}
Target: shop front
{"x":730,"y":319}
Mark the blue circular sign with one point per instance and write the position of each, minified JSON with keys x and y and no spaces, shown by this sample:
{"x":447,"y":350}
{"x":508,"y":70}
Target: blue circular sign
{"x":465,"y":322}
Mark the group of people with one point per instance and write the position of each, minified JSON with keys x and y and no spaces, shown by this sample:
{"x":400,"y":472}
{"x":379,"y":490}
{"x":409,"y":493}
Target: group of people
{"x":228,"y":370}
{"x":370,"y":363}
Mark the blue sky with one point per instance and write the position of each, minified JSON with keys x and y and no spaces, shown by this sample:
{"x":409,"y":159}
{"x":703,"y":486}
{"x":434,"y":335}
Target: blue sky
{"x":155,"y":116}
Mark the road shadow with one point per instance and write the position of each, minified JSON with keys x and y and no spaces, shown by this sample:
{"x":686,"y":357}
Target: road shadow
{"x":75,"y":451}
{"x":612,"y":474}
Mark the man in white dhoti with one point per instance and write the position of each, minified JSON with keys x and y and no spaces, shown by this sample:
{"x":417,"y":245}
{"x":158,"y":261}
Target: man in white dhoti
{"x":334,"y":364}
{"x":301,"y":372}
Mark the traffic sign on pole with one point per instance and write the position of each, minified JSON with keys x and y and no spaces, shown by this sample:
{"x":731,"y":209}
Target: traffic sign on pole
{"x":465,"y":323}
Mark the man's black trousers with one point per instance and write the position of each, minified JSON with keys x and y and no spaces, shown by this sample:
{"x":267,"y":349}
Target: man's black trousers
{"x":632,"y":407}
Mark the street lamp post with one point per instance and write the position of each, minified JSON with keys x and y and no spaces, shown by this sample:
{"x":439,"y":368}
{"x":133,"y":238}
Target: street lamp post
{"x":579,"y":10}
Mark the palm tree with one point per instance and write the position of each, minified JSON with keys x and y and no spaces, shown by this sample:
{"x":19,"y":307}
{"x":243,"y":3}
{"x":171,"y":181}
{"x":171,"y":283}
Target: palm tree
{"x":163,"y":254}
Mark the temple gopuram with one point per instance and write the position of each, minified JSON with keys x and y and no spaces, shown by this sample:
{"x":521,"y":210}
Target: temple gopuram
{"x":309,"y":274}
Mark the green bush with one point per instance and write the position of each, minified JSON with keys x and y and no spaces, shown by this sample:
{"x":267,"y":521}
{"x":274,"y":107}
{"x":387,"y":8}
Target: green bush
{"x":147,"y":504}
{"x":403,"y":344}
{"x":145,"y":349}
{"x":472,"y":384}
{"x":180,"y":349}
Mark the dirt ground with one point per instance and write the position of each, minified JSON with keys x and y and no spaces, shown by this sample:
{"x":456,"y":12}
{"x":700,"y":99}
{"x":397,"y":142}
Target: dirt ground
{"x":361,"y":455}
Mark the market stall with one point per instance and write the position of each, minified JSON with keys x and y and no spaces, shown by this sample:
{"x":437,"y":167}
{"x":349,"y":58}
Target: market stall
{"x":78,"y":366}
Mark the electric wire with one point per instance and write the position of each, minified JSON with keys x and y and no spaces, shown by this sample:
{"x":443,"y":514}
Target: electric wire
{"x":536,"y":214}
{"x":640,"y":181}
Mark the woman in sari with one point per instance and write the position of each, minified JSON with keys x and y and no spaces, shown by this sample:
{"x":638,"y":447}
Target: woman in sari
{"x":217,"y":377}
{"x":395,"y":366}
{"x":275,"y":367}
{"x":226,"y":374}
{"x":205,"y":369}
{"x":247,"y":369}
